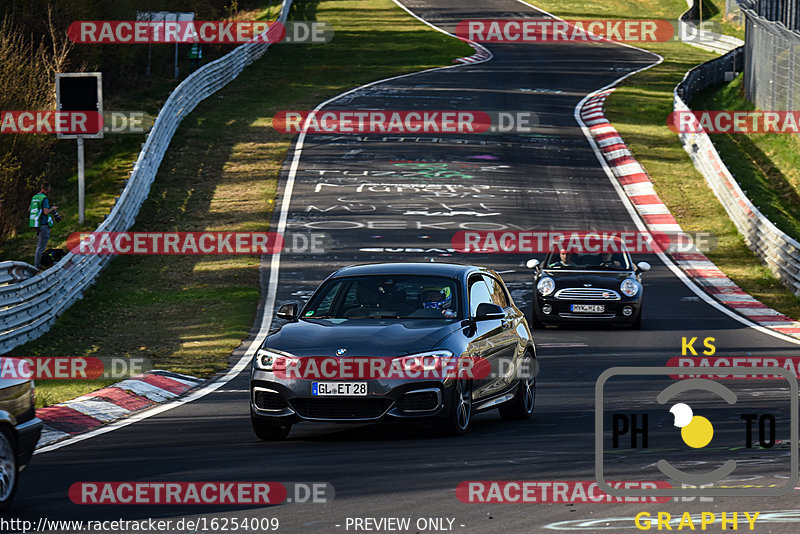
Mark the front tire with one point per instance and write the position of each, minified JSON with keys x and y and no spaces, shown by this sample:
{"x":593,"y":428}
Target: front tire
{"x":637,"y":324}
{"x":267,"y":430}
{"x":521,"y":406}
{"x":8,"y":468}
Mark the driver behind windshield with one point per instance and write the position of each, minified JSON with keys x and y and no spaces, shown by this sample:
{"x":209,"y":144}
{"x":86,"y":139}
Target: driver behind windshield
{"x":438,"y":298}
{"x":565,"y":259}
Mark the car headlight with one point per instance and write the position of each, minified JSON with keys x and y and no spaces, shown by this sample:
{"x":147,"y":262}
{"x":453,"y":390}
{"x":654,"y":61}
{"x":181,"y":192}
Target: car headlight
{"x":426,"y":362}
{"x":269,"y":360}
{"x":629,"y":287}
{"x":546,"y":286}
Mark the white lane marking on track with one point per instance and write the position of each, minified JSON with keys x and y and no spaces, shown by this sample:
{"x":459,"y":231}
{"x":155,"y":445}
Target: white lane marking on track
{"x":272,"y":287}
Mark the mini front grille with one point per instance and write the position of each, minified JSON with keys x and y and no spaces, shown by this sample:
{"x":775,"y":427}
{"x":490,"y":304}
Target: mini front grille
{"x":587,"y":293}
{"x":342,"y":408}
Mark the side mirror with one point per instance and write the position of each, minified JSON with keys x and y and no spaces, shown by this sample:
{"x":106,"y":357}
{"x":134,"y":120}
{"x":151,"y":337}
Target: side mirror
{"x":532,"y":264}
{"x":643,"y":266}
{"x":288,"y":311}
{"x":487,"y":311}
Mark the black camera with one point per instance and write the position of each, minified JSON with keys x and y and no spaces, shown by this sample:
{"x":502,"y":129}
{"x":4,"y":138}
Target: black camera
{"x":56,"y":216}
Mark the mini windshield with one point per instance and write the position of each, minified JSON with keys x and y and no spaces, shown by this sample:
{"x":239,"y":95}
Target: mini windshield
{"x":385,"y":297}
{"x":608,"y":261}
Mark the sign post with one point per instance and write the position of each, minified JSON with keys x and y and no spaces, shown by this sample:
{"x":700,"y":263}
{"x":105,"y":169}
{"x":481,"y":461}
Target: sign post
{"x":81,"y":183}
{"x":80,"y":91}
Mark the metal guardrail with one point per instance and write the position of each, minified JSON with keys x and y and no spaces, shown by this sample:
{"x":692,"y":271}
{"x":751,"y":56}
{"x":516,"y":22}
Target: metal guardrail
{"x":30,"y":307}
{"x":15,"y":271}
{"x":777,"y":250}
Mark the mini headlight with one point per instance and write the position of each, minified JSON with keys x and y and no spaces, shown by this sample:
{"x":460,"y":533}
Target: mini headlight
{"x":265,"y":359}
{"x":629,"y":287}
{"x":546,"y":286}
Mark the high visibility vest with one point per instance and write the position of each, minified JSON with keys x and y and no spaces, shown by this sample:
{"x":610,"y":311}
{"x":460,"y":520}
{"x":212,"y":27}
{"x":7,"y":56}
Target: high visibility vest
{"x":36,"y":211}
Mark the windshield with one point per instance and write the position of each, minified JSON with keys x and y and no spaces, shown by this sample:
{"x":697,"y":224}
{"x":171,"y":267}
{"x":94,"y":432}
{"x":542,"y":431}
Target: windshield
{"x":607,"y":261}
{"x":385,"y":296}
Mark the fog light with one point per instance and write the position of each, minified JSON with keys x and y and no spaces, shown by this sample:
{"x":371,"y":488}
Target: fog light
{"x":547,"y":309}
{"x":627,"y":311}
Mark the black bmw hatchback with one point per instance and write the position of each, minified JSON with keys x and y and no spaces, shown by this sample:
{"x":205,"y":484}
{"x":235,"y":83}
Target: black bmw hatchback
{"x":588,"y":288}
{"x":396,"y":341}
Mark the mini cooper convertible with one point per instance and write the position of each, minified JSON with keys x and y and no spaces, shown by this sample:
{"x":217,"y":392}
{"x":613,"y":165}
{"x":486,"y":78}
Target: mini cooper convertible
{"x":588,"y":288}
{"x":396,"y":341}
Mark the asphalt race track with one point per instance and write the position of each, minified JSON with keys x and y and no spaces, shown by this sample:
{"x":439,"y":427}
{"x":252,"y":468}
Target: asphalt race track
{"x":389,"y":198}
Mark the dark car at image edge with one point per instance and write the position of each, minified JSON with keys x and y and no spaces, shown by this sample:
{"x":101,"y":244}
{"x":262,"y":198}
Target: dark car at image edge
{"x":19,"y":431}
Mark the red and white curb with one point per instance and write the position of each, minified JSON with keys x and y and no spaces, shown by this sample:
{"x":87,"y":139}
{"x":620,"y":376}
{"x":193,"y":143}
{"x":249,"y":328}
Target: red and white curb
{"x":111,"y":403}
{"x":636,"y":183}
{"x":481,"y":54}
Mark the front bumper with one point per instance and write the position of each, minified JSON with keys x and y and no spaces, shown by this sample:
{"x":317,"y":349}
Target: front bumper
{"x":562,"y":312}
{"x":291,"y":400}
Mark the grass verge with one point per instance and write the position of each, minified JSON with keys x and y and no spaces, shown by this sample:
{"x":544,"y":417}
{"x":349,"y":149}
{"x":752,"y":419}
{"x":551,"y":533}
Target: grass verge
{"x":639,"y":109}
{"x":188,"y":313}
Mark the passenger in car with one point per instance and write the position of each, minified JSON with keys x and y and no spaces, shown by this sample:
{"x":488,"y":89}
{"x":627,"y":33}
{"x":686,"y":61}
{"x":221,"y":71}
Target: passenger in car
{"x":607,"y":260}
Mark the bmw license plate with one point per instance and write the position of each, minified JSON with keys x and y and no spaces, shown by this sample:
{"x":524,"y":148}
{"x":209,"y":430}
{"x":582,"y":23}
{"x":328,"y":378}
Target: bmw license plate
{"x":344,"y":389}
{"x":588,"y":308}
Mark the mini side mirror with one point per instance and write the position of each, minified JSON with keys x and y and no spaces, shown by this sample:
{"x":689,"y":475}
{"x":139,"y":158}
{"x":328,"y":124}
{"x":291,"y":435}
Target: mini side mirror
{"x":532,"y":263}
{"x":643,"y":266}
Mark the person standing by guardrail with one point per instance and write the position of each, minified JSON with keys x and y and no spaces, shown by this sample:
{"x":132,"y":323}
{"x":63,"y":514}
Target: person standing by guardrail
{"x":195,"y":55}
{"x":40,"y":218}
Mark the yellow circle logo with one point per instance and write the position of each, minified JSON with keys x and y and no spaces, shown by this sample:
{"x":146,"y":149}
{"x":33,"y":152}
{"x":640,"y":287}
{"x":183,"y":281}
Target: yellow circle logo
{"x":696,"y":430}
{"x":698,"y":433}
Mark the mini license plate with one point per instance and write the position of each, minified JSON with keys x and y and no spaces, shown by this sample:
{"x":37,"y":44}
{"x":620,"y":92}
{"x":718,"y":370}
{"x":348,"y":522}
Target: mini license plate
{"x":343,"y":389}
{"x":588,"y":308}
